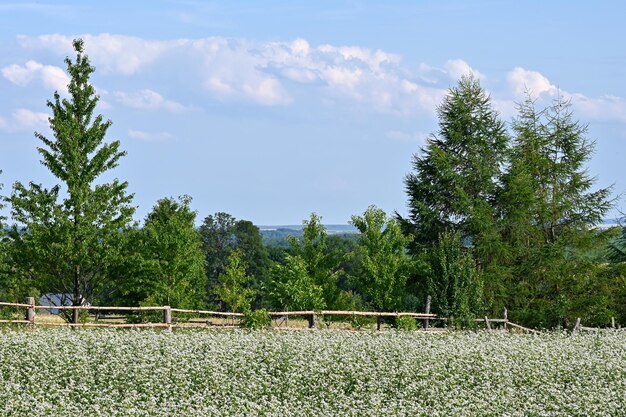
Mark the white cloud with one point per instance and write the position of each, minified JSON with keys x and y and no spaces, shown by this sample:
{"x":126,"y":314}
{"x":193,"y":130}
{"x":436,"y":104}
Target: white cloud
{"x":150,"y":136}
{"x":604,"y":108}
{"x":507,"y":108}
{"x":522,"y":80}
{"x":235,"y":70}
{"x":148,"y":100}
{"x":30,"y":119}
{"x":400,"y":136}
{"x":50,"y":76}
{"x":110,"y":53}
{"x":456,"y":68}
{"x":24,"y":120}
{"x":267,"y":73}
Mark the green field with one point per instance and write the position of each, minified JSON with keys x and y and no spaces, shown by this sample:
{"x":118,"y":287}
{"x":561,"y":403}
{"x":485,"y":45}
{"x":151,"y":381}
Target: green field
{"x":61,"y":372}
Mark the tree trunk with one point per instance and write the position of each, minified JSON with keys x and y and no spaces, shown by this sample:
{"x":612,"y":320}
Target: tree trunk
{"x":76,"y":301}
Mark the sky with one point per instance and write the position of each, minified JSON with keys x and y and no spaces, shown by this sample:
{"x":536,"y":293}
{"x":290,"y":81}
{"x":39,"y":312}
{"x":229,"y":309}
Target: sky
{"x":273,"y":110}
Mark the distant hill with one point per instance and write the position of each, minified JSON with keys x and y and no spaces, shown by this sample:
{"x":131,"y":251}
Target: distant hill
{"x":277,"y":235}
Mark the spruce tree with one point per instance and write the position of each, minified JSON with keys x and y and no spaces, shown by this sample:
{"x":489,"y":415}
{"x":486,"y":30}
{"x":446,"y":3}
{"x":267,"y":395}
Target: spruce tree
{"x":66,"y":236}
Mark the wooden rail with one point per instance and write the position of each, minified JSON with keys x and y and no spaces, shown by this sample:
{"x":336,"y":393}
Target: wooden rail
{"x":168,"y":322}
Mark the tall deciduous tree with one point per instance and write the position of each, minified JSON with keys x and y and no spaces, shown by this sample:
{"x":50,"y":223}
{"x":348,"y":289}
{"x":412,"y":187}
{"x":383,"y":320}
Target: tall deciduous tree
{"x":383,"y":265}
{"x":173,"y":257}
{"x":221,"y":234}
{"x":65,"y":242}
{"x":232,"y":287}
{"x":322,"y":265}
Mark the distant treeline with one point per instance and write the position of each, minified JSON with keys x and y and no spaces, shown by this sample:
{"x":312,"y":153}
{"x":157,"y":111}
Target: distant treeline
{"x":499,"y":215}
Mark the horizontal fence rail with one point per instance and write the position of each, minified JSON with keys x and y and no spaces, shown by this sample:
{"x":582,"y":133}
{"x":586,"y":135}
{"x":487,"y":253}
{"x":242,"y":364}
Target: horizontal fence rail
{"x":203,"y":318}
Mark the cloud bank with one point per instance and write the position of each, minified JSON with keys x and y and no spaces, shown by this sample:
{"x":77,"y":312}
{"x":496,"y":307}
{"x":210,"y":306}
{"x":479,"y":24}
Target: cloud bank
{"x":276,"y":74}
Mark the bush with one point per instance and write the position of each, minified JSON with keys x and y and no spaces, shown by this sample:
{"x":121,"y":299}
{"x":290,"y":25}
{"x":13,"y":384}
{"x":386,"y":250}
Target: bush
{"x":406,"y":323}
{"x":256,"y":319}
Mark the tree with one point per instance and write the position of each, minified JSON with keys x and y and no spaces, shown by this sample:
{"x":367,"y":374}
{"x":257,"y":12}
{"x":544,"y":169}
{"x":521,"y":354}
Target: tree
{"x":322,"y":265}
{"x":293,"y":288}
{"x":456,"y":180}
{"x":217,"y":237}
{"x":549,"y":214}
{"x":64,"y":241}
{"x":453,"y":282}
{"x":455,"y":177}
{"x":4,"y":276}
{"x":221,"y":235}
{"x":231,"y":288}
{"x":383,"y":265}
{"x":172,"y":254}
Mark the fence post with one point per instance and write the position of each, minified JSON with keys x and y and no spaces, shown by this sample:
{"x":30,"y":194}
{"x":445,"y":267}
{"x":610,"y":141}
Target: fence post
{"x":505,"y":316}
{"x":613,"y":322}
{"x":379,"y":322}
{"x":487,"y":323}
{"x":30,"y":311}
{"x":312,"y":321}
{"x":167,"y":318}
{"x":576,"y":326}
{"x":427,"y":312}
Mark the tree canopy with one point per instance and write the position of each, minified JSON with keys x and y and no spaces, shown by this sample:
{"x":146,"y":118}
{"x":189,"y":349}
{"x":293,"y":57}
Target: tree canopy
{"x":65,"y":235}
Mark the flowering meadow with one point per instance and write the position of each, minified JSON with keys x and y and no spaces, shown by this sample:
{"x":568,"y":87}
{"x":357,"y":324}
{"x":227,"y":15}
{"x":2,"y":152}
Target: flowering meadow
{"x":64,"y":372}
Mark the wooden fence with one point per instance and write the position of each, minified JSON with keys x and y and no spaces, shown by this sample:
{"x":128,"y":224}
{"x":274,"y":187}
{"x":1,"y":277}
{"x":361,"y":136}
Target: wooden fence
{"x":175,"y":317}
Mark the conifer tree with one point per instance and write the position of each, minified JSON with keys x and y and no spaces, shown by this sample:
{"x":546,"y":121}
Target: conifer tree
{"x":65,"y":236}
{"x":455,"y":183}
{"x":455,"y":176}
{"x":549,"y":213}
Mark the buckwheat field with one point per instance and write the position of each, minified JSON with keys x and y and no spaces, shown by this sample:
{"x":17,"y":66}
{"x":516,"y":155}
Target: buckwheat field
{"x":61,"y":372}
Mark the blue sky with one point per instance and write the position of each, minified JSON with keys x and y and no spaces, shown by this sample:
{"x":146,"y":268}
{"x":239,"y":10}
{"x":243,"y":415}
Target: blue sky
{"x":272,"y":110}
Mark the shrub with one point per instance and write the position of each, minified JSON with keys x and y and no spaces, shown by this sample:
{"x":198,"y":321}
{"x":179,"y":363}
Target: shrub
{"x":256,"y":319}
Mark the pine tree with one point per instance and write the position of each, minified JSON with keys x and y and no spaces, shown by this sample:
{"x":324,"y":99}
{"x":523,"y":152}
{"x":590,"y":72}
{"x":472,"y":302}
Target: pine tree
{"x":65,"y":241}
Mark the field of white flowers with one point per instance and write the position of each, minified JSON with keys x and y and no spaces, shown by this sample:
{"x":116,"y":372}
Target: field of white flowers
{"x":62,"y":372}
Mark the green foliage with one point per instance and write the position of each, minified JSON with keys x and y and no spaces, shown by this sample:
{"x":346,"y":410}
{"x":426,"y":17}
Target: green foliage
{"x":453,"y":282}
{"x":455,"y":182}
{"x":231,"y":288}
{"x":383,"y":266}
{"x":406,"y":323}
{"x":4,"y":245}
{"x":293,"y":288}
{"x":455,"y":176}
{"x":172,"y":270}
{"x":322,"y":264}
{"x":64,"y":240}
{"x":549,"y":213}
{"x":256,"y":319}
{"x":221,"y":235}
